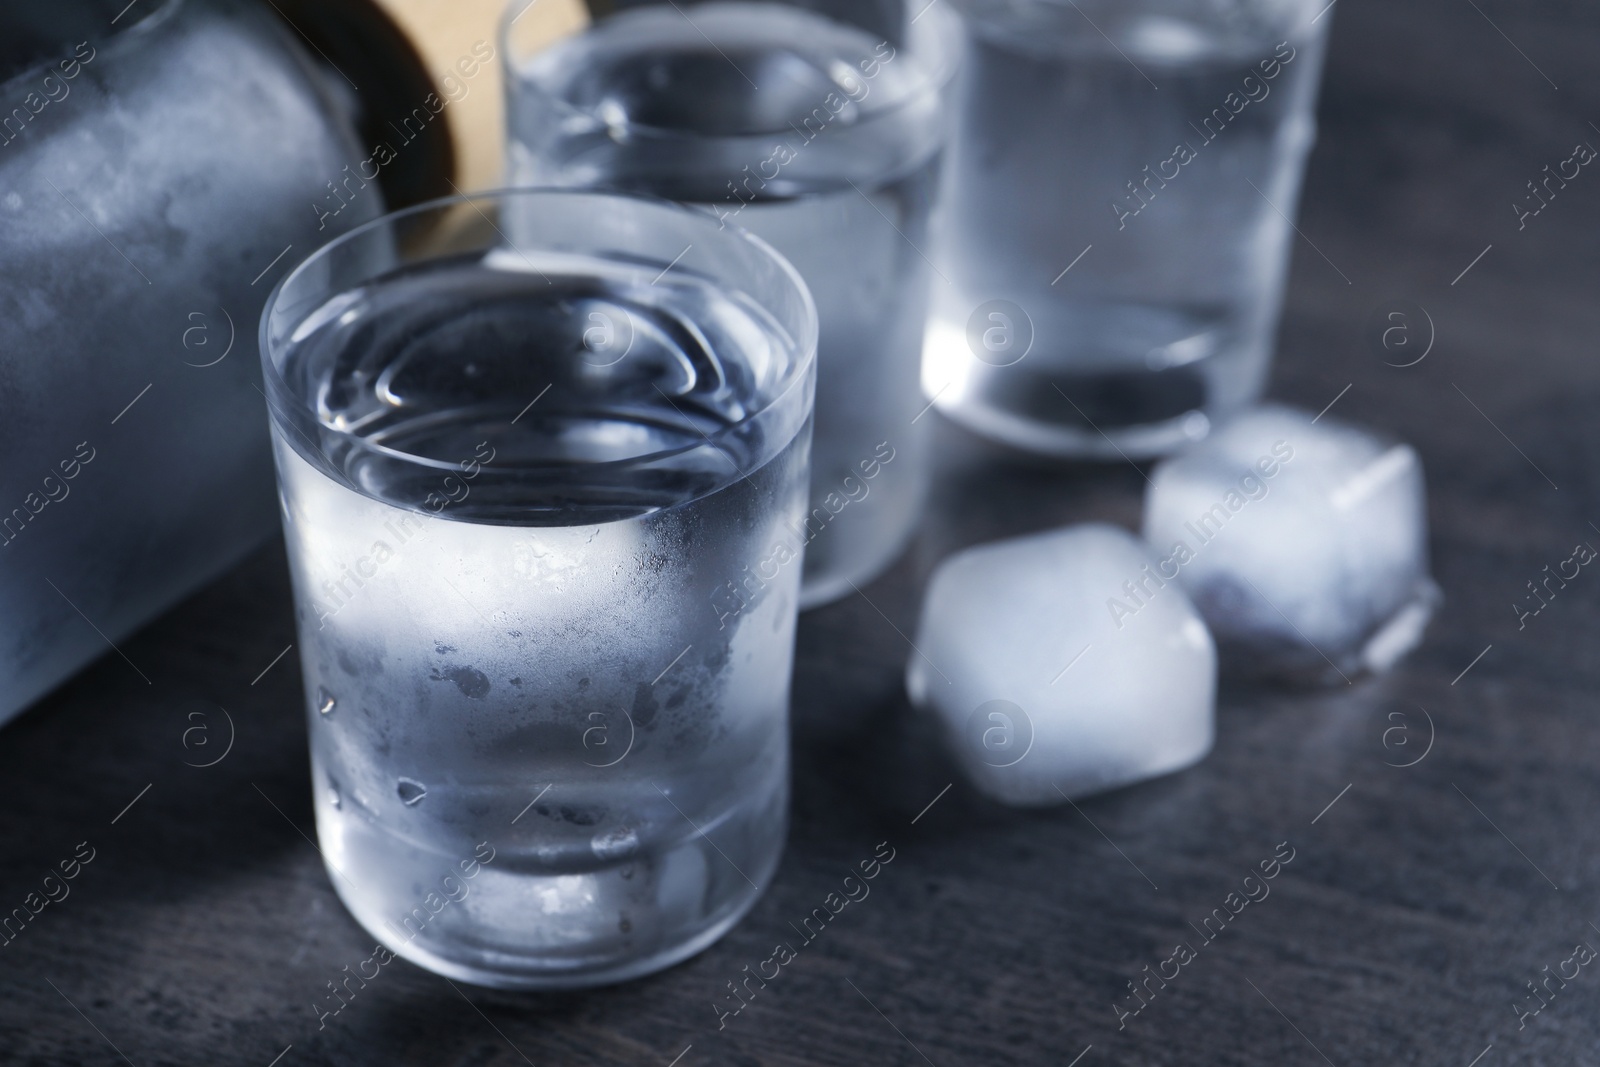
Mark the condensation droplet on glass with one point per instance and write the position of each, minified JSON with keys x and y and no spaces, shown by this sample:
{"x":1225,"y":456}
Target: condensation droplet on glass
{"x":333,"y":793}
{"x":411,"y":792}
{"x":614,"y":844}
{"x":325,"y":701}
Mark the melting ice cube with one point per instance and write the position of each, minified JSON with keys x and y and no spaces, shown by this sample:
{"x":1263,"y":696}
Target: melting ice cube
{"x":1044,"y":688}
{"x":1303,"y":543}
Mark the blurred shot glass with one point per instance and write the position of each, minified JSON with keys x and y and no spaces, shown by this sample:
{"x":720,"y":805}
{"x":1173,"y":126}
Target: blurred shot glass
{"x":526,"y":444}
{"x":1118,"y":202}
{"x":816,"y":136}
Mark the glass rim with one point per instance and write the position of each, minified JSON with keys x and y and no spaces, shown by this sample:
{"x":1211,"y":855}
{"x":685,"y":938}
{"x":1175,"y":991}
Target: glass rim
{"x":805,"y":343}
{"x":946,"y":49}
{"x":1301,"y":19}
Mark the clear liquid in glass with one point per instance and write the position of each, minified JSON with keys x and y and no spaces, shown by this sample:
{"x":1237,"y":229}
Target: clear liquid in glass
{"x":1118,"y":218}
{"x":516,"y":660}
{"x":817,"y":137}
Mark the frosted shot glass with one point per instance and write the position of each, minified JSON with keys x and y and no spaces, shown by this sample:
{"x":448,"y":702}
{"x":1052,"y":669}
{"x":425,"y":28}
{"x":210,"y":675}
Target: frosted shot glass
{"x":519,"y":466}
{"x":818,"y":137}
{"x":1119,"y":195}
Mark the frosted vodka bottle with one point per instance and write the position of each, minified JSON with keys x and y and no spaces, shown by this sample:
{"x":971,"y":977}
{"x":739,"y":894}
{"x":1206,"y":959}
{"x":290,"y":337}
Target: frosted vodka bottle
{"x":158,"y":171}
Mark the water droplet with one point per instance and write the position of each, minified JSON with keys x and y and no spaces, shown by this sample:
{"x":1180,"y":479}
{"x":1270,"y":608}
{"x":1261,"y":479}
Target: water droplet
{"x":411,"y":792}
{"x":325,"y":701}
{"x":333,"y":793}
{"x":473,"y":683}
{"x":615,"y":844}
{"x":624,"y":925}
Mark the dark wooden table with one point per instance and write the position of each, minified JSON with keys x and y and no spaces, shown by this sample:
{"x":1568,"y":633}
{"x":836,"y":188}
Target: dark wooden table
{"x":1420,"y":899}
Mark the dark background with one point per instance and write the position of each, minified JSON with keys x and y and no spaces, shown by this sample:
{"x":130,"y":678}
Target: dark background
{"x":1416,"y":907}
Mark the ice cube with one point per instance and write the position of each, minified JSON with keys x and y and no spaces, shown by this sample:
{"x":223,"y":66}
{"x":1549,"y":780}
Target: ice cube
{"x":1303,"y":543}
{"x":1044,"y":690}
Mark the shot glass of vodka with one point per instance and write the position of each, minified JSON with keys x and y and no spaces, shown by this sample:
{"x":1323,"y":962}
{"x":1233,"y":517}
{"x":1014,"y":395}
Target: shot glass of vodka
{"x":525,"y":443}
{"x":1117,"y":204}
{"x":817,"y":136}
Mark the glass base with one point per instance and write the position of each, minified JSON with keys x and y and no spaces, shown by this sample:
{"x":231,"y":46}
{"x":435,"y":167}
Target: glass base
{"x":482,"y":965}
{"x":839,"y":578}
{"x":852,"y":542}
{"x":1144,"y":441}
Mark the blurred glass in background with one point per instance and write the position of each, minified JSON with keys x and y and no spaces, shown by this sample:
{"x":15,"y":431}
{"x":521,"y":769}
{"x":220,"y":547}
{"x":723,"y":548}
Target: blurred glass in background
{"x":1117,"y":218}
{"x":817,"y":136}
{"x":885,"y":19}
